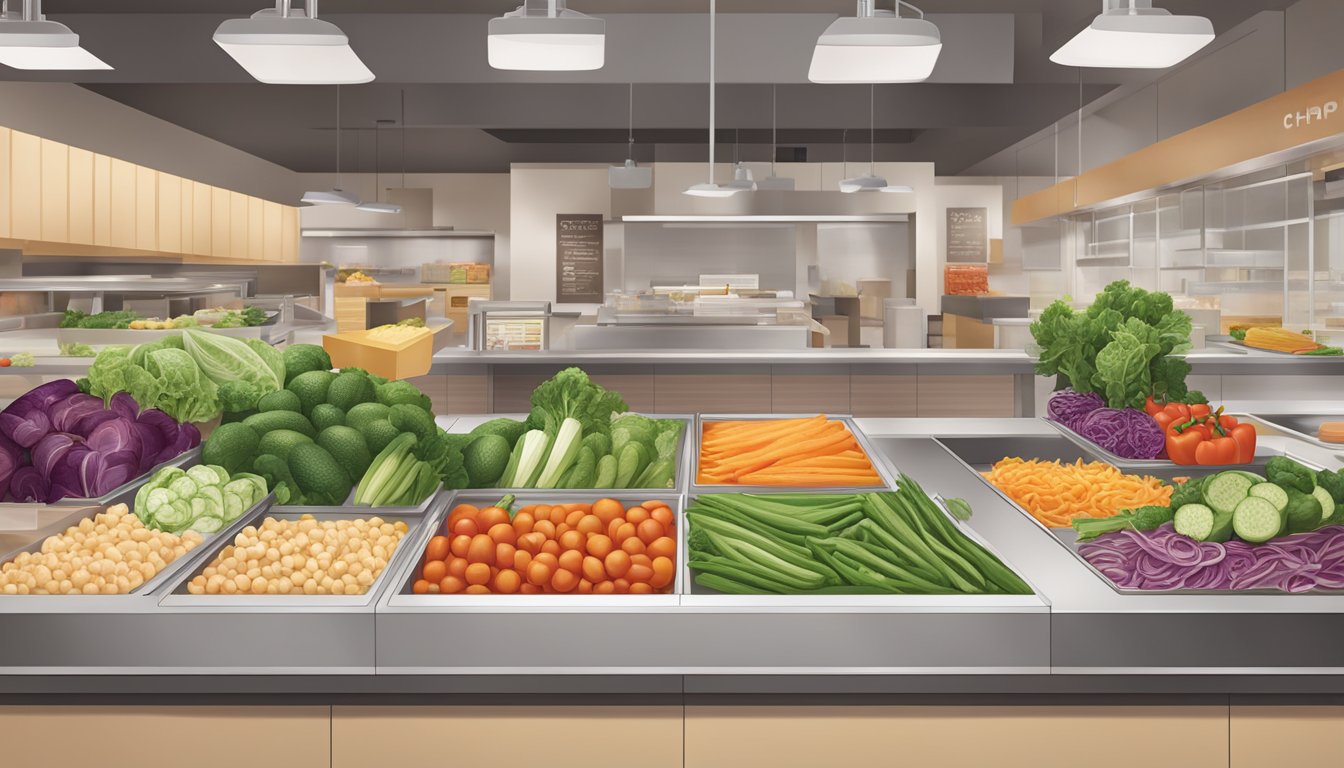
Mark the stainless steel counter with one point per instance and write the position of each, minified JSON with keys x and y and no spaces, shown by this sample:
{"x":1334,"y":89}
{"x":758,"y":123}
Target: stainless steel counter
{"x":1078,"y":635}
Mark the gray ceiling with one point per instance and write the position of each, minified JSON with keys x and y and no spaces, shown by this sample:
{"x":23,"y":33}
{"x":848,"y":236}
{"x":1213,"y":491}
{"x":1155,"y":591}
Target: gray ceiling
{"x":994,"y":87}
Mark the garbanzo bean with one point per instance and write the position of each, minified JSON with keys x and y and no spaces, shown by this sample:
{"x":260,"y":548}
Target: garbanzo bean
{"x":315,"y":557}
{"x":109,"y":554}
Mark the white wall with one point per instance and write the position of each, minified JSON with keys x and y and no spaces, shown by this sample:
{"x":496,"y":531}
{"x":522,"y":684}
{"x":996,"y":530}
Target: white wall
{"x":81,"y":118}
{"x":665,"y":253}
{"x":537,"y":194}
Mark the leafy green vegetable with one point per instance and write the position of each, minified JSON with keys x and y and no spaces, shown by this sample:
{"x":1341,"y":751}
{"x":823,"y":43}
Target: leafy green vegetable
{"x":1141,"y":519}
{"x":1238,"y":333}
{"x":168,"y":380}
{"x":571,"y":394}
{"x":76,"y":349}
{"x":1289,"y":475}
{"x":1189,"y":492}
{"x":399,"y":392}
{"x":22,"y":360}
{"x":223,"y":359}
{"x":274,"y":358}
{"x":1120,"y":347}
{"x":253,"y":315}
{"x":73,"y":318}
{"x":204,"y":498}
{"x":1333,"y":483}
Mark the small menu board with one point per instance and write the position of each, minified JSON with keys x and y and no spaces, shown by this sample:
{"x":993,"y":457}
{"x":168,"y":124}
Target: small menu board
{"x":968,"y":235}
{"x":578,"y":258}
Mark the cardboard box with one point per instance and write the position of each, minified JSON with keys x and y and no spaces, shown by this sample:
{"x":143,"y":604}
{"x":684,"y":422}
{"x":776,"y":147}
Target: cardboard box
{"x":392,"y":361}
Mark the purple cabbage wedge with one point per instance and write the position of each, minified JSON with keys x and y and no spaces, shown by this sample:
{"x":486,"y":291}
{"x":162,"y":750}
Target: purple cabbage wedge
{"x":1068,"y":407}
{"x":57,"y":443}
{"x":1125,"y":432}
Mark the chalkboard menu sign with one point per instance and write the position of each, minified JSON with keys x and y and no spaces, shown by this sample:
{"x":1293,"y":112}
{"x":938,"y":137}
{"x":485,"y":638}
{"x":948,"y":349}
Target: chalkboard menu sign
{"x":578,"y":258}
{"x":968,"y":235}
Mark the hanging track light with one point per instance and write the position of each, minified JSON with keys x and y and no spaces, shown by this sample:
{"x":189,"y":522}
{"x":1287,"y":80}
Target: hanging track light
{"x":335,"y":195}
{"x":29,"y":41}
{"x":876,"y":47}
{"x":630,"y":175}
{"x":545,"y":36}
{"x":709,"y":188}
{"x":377,"y":206}
{"x":287,"y":46}
{"x":871,"y":182}
{"x":773,"y":182}
{"x":1132,"y":34}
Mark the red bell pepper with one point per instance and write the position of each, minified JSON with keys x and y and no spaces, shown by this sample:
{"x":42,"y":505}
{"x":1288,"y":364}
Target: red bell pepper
{"x":1209,"y":439}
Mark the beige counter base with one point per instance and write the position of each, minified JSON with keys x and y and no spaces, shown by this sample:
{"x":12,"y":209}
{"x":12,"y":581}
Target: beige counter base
{"x":673,"y":736}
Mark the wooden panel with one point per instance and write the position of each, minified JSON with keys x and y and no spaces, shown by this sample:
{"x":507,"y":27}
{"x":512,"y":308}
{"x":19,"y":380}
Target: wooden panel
{"x":221,"y":211}
{"x":489,"y":735}
{"x":455,"y":393}
{"x":55,"y":191}
{"x":4,"y":182}
{"x":712,"y":389}
{"x":81,"y":196}
{"x":170,"y":213}
{"x":274,"y":231}
{"x":25,"y":186}
{"x":512,"y":390}
{"x":965,"y":396}
{"x":798,"y":391}
{"x":1277,"y":736}
{"x":186,"y":195}
{"x":237,"y":226}
{"x":102,"y":200}
{"x":296,"y":737}
{"x":636,"y":387}
{"x":911,"y":737}
{"x":882,"y":395}
{"x":289,"y":234}
{"x":256,"y":228}
{"x":202,"y":209}
{"x":146,"y":208}
{"x":122,"y":196}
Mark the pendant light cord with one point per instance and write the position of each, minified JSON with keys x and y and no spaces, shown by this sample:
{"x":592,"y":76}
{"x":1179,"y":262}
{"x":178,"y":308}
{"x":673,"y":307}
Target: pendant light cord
{"x":630,"y":136}
{"x":872,"y":139}
{"x":338,"y":137}
{"x":403,"y":138}
{"x":774,"y":126}
{"x":713,"y":8}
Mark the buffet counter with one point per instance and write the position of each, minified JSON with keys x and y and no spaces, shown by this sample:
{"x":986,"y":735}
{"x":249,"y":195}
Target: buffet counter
{"x":1075,"y":634}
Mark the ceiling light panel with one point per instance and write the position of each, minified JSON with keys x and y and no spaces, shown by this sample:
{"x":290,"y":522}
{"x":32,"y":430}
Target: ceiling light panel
{"x":876,"y":47}
{"x":279,"y":49}
{"x":1131,"y":34}
{"x":546,"y":37}
{"x":28,"y":41}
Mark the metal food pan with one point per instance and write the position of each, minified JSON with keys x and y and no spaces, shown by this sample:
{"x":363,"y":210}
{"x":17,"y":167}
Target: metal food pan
{"x":964,"y":451}
{"x":1262,"y":453}
{"x":349,"y":506}
{"x":698,"y":596}
{"x":173,"y":569}
{"x":681,"y":474}
{"x":102,"y":337}
{"x":189,"y":459}
{"x":179,"y":596}
{"x":403,"y":597}
{"x":980,"y":453}
{"x":879,"y":465}
{"x":1301,"y":426}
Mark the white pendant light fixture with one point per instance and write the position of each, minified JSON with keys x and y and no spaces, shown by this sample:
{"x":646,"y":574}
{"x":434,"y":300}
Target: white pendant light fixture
{"x":1132,"y":34}
{"x":871,"y":182}
{"x":876,"y":47}
{"x":29,"y":41}
{"x":287,"y":46}
{"x":742,"y":178}
{"x":709,"y":188}
{"x":377,"y":206}
{"x":335,"y":195}
{"x":630,"y":175}
{"x":773,"y":182}
{"x":545,"y":36}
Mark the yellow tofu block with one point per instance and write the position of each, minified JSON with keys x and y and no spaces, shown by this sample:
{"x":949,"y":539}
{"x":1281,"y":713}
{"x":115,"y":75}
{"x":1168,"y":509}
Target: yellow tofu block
{"x":390,"y":360}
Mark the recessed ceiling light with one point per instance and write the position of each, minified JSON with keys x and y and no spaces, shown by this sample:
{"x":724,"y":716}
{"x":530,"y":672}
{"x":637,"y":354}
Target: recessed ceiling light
{"x":29,"y":41}
{"x":285,"y":46}
{"x":550,"y":38}
{"x":1132,"y":34}
{"x":876,"y":47}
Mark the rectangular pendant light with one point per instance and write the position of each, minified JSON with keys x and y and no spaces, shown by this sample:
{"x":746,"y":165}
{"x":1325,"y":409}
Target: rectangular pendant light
{"x":1134,"y":35}
{"x":283,"y":47}
{"x":28,"y":41}
{"x":876,"y":47}
{"x":545,"y":36}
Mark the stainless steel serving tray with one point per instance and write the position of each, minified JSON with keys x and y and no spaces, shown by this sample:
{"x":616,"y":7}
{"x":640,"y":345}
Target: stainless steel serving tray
{"x":680,"y":474}
{"x":699,"y":596}
{"x":118,"y":336}
{"x":162,"y":577}
{"x":1243,"y":345}
{"x":403,"y":597}
{"x":975,"y":452}
{"x":349,"y":506}
{"x":1303,"y":427}
{"x":881,"y":467}
{"x":1262,"y":452}
{"x":179,"y":596}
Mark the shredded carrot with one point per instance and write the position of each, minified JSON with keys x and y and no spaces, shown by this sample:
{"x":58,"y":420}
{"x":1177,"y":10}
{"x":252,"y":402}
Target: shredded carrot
{"x":809,"y":452}
{"x":1056,"y":493}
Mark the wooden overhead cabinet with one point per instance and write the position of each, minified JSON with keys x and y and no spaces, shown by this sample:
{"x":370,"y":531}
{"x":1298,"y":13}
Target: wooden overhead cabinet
{"x":4,"y":182}
{"x":80,"y":207}
{"x":25,"y":186}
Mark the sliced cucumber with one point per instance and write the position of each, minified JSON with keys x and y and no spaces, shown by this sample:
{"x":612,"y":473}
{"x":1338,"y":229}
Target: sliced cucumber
{"x":1327,"y":502}
{"x":1271,"y":493}
{"x":1254,"y":478}
{"x":1225,"y":490}
{"x":1222,"y":527}
{"x":1256,"y":520}
{"x":1194,"y":520}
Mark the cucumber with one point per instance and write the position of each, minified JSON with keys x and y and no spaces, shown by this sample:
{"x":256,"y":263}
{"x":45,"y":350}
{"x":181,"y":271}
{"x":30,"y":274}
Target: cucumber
{"x":1195,"y":521}
{"x":1327,"y":502}
{"x":1254,"y":478}
{"x":1222,"y":528}
{"x":1256,"y":520}
{"x":1225,"y":490}
{"x":1271,"y":493}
